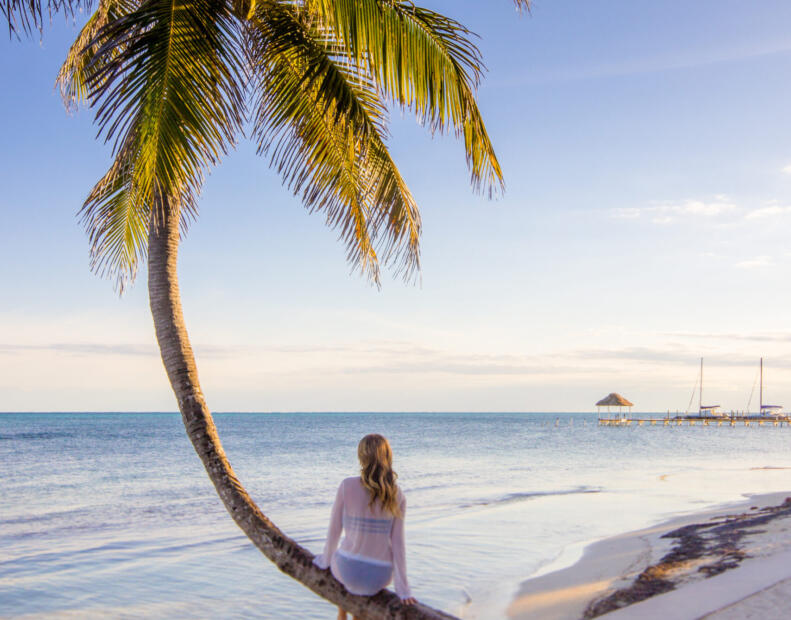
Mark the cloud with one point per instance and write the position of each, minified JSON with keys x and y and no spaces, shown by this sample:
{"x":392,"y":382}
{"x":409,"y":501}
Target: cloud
{"x":773,"y":210}
{"x":81,"y":348}
{"x":575,"y":364}
{"x":779,"y":337}
{"x":405,"y":358}
{"x":670,"y":212}
{"x":756,"y":262}
{"x":467,"y":367}
{"x":673,"y":354}
{"x":626,"y":213}
{"x":662,"y":219}
{"x":787,"y":169}
{"x":121,"y":349}
{"x":677,"y":355}
{"x":720,"y":209}
{"x":396,"y":358}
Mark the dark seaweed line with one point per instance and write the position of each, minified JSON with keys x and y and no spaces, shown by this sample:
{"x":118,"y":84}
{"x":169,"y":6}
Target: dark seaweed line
{"x":721,"y":543}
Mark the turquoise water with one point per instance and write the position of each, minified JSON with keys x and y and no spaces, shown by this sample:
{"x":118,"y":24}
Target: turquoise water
{"x":113,"y":515}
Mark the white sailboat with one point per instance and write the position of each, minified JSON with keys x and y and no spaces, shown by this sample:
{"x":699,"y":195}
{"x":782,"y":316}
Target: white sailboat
{"x":768,"y":410}
{"x":706,"y":411}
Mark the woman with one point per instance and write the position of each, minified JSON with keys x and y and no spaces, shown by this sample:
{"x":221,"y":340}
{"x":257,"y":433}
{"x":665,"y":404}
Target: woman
{"x":371,"y":509}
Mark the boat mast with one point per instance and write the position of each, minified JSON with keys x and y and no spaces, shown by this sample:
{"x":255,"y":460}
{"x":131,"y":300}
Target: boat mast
{"x":700,"y":391}
{"x":761,"y":406}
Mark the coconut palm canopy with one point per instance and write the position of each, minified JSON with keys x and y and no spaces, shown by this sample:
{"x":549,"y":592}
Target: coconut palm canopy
{"x":614,"y":400}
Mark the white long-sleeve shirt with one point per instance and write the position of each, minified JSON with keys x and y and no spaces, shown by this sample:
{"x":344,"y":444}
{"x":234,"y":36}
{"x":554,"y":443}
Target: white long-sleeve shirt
{"x":371,"y":532}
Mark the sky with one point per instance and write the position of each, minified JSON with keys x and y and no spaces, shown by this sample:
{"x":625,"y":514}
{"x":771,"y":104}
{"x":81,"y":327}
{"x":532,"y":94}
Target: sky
{"x":647,"y":155}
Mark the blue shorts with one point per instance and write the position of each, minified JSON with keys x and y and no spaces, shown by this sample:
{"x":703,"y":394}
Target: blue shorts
{"x":360,"y":575}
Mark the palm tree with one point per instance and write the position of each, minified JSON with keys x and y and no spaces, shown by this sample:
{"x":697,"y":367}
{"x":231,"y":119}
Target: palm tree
{"x":174,"y":83}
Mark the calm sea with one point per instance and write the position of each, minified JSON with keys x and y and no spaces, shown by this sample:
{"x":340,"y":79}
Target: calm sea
{"x":112,"y":515}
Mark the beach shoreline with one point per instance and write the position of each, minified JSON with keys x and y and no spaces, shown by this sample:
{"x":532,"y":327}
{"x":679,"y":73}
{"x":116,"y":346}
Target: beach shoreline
{"x":630,"y":575}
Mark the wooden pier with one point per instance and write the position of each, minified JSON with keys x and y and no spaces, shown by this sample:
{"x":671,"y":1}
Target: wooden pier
{"x":707,"y":415}
{"x":699,"y":421}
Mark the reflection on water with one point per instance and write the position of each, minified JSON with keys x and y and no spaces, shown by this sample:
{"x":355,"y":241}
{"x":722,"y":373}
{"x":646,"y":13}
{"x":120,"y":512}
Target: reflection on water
{"x":112,"y":514}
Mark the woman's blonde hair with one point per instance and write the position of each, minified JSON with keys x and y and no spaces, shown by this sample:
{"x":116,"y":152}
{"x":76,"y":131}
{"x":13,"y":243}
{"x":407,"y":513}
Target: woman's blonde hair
{"x":376,"y":472}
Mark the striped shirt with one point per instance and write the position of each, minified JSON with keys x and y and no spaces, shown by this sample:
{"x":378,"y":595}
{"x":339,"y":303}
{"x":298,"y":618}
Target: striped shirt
{"x":369,"y":532}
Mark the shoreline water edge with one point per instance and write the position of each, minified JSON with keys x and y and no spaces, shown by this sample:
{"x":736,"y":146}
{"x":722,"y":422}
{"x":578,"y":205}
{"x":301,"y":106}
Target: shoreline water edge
{"x":727,"y":562}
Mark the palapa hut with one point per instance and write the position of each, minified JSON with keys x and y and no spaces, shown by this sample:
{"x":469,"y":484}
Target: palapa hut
{"x":614,"y":400}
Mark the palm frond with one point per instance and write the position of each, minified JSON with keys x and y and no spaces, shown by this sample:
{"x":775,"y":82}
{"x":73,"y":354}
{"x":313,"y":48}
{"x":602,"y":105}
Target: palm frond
{"x":421,"y":60}
{"x":25,"y":16}
{"x":322,"y":121}
{"x":166,"y":81}
{"x":168,"y":74}
{"x":397,"y":210}
{"x":116,"y":220}
{"x":72,"y":76}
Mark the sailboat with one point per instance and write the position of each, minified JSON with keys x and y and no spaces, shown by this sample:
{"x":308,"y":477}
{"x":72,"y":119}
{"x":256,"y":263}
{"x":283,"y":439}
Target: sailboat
{"x":706,"y":411}
{"x":768,"y":410}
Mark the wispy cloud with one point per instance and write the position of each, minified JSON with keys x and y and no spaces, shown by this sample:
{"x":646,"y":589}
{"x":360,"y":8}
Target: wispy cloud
{"x":779,"y":337}
{"x":680,"y":355}
{"x":674,"y":354}
{"x":397,"y":358}
{"x":404,"y":358}
{"x":720,"y":210}
{"x":563,"y":364}
{"x":772,"y":210}
{"x":670,"y":212}
{"x":81,"y":348}
{"x":119,"y":349}
{"x":756,"y":262}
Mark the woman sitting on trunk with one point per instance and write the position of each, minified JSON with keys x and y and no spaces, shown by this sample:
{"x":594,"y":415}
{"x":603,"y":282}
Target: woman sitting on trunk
{"x":371,"y":509}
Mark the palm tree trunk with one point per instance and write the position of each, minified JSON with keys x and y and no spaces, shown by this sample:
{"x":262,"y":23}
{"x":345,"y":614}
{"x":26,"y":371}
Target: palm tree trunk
{"x":177,"y":356}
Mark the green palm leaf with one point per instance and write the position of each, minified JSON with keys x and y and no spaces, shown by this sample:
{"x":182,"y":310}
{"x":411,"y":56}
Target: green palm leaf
{"x":73,"y":73}
{"x":24,"y":16}
{"x":166,"y":83}
{"x":421,"y":60}
{"x":165,"y":78}
{"x":321,"y":119}
{"x":117,"y":223}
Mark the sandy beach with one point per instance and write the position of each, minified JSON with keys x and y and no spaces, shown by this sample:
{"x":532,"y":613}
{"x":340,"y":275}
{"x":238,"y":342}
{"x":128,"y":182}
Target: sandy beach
{"x":728,"y":563}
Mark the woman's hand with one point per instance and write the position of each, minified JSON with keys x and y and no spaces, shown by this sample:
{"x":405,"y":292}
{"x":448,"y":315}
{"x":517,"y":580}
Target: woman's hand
{"x":409,"y":601}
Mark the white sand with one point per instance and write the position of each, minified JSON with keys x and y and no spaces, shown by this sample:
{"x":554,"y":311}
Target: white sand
{"x":772,"y":602}
{"x":760,"y":587}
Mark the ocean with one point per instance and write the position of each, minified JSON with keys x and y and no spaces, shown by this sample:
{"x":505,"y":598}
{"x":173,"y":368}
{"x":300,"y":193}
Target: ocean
{"x":112,"y":514}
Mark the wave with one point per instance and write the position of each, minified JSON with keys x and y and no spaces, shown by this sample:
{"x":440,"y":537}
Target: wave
{"x":529,"y":495}
{"x":434,"y":487}
{"x":98,"y":557}
{"x":34,"y":435}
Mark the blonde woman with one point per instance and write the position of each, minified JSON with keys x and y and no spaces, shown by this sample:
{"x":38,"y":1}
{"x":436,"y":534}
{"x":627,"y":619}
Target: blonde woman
{"x":371,"y":509}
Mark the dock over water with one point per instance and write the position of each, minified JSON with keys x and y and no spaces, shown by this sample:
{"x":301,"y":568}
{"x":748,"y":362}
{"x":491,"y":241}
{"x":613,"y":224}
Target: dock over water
{"x":698,"y":421}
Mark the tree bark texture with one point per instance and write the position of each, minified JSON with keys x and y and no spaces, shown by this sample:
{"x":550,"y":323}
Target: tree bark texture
{"x":179,"y":361}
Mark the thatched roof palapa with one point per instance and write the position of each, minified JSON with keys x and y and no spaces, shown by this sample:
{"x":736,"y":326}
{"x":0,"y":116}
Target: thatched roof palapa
{"x":614,"y":400}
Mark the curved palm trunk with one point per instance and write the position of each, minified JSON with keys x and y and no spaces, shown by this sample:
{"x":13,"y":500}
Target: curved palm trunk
{"x":179,"y":363}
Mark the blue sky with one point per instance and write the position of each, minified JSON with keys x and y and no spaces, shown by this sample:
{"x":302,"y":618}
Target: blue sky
{"x":647,"y":153}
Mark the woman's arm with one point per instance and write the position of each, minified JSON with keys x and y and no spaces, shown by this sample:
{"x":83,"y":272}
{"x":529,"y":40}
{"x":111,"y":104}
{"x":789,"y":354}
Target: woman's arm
{"x":333,"y":531}
{"x":399,"y":555}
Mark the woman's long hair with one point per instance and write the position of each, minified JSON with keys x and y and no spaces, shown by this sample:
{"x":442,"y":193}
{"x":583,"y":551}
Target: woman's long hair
{"x":376,"y":472}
